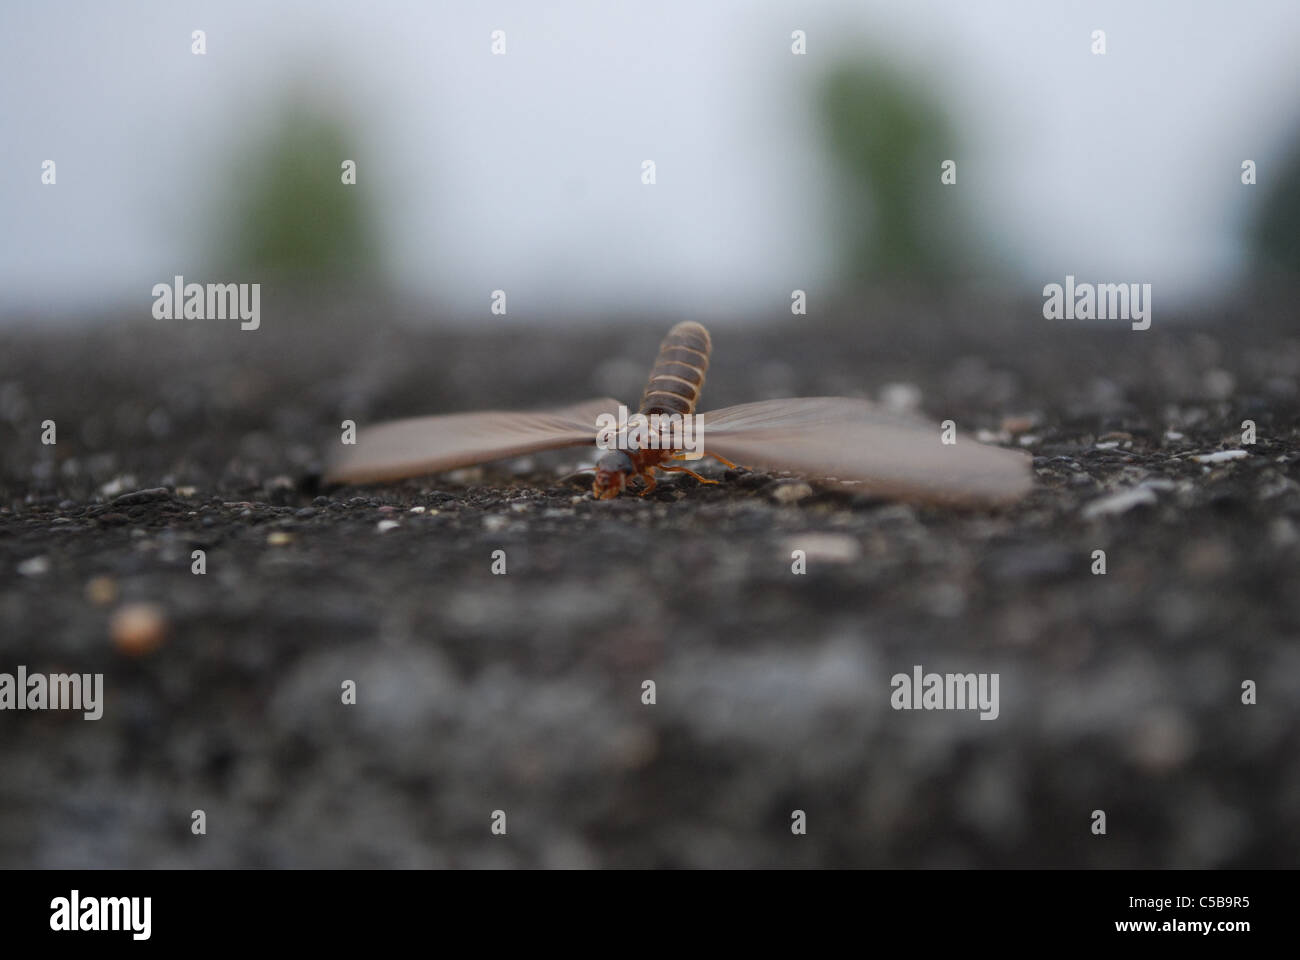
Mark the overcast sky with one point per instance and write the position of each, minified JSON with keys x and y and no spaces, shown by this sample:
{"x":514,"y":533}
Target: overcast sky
{"x":522,"y":172}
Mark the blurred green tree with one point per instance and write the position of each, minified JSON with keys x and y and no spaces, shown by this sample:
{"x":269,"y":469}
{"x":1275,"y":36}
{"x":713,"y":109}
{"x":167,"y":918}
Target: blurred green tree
{"x":289,"y":215}
{"x":887,"y":138}
{"x":1274,"y":236}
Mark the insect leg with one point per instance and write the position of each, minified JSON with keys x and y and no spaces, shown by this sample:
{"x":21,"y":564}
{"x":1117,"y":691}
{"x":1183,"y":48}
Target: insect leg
{"x":722,"y":460}
{"x":684,"y":470}
{"x":725,"y":462}
{"x":650,"y":482}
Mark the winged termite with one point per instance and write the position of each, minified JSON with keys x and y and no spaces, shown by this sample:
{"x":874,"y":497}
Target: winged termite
{"x":817,"y":437}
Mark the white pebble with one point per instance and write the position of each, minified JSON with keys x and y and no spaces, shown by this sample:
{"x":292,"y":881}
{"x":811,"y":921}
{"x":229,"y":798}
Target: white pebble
{"x":1220,"y":456}
{"x":829,"y":547}
{"x":791,"y":492}
{"x":34,"y":566}
{"x":385,"y":525}
{"x":1120,"y":502}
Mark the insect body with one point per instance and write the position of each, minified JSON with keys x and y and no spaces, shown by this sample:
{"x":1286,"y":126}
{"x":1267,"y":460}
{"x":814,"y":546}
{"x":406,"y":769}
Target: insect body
{"x":818,"y":437}
{"x":673,"y":390}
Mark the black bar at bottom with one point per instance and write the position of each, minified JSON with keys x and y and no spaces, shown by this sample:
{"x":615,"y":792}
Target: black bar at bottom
{"x":334,"y":909}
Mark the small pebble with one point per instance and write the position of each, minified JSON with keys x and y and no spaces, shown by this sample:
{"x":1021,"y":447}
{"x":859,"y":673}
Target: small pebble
{"x":151,"y":495}
{"x":279,"y":538}
{"x":826,"y":547}
{"x":34,"y":566}
{"x":1015,"y":425}
{"x":137,"y":629}
{"x":385,"y":525}
{"x":1163,"y":741}
{"x":117,"y":485}
{"x":1220,"y":384}
{"x":1220,"y":456}
{"x":1120,"y":502}
{"x":790,"y":492}
{"x":101,"y":591}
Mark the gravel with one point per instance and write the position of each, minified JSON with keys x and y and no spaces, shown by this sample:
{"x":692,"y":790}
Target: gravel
{"x":526,"y":691}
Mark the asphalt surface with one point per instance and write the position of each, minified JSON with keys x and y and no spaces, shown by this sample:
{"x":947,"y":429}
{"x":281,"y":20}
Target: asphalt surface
{"x":523,"y":692}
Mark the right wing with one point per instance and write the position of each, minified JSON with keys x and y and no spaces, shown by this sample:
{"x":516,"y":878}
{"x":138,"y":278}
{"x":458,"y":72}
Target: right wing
{"x":847,"y":439}
{"x":420,"y":445}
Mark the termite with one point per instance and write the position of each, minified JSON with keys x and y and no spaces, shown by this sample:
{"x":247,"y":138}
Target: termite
{"x":673,"y":390}
{"x":822,"y":438}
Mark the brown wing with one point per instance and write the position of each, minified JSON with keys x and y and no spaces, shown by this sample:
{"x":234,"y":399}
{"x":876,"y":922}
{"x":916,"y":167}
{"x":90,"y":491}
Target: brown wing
{"x":420,"y":445}
{"x":895,"y":456}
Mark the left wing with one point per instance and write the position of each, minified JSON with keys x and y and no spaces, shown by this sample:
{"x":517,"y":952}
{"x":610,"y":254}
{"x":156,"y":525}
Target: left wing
{"x":420,"y":445}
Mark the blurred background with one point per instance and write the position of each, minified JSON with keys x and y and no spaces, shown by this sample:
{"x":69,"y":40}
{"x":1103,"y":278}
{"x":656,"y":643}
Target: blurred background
{"x":774,"y":171}
{"x":522,"y":172}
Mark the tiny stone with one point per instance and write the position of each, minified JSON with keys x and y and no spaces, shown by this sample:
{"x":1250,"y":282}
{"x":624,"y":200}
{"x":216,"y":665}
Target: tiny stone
{"x":142,"y":496}
{"x":1120,"y":502}
{"x":790,"y":492}
{"x":826,"y":547}
{"x":34,"y":566}
{"x":101,"y":591}
{"x":138,"y":628}
{"x":1220,"y":456}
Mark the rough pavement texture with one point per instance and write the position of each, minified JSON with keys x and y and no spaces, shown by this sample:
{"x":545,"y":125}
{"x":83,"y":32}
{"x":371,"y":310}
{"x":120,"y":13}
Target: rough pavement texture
{"x":523,"y":693}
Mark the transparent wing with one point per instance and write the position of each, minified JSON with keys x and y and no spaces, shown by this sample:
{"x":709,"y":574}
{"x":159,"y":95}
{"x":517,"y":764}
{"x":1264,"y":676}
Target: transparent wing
{"x":846,"y":439}
{"x":420,"y":445}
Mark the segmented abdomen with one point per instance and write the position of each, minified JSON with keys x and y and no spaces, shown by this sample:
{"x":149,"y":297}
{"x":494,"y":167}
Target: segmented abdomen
{"x":678,"y":375}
